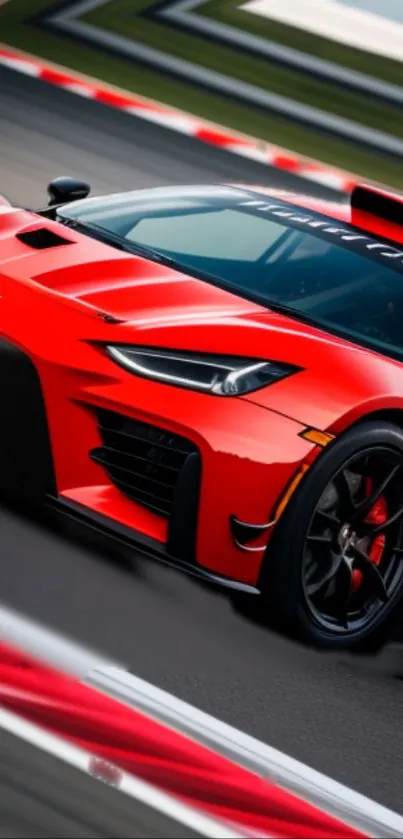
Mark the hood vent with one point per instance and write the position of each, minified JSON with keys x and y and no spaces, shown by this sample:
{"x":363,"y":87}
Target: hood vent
{"x":42,"y":238}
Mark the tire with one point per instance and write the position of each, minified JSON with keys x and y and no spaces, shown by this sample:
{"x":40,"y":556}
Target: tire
{"x":362,"y":456}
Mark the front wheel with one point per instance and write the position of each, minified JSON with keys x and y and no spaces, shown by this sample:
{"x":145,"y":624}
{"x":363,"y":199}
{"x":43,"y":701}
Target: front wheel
{"x":333,"y":574}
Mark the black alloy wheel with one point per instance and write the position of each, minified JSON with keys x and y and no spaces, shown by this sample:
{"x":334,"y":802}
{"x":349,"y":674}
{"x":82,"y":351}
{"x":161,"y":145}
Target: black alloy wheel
{"x":353,"y":549}
{"x":334,"y":571}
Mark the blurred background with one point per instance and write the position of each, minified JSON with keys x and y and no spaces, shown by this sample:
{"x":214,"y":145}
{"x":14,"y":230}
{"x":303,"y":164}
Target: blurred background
{"x":321,"y":77}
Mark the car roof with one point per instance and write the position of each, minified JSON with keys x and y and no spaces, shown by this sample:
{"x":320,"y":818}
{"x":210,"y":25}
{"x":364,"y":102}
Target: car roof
{"x":367,"y":214}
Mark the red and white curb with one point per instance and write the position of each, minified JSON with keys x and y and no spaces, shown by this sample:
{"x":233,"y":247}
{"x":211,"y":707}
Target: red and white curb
{"x":179,"y":121}
{"x":118,"y":743}
{"x":128,"y":729}
{"x":128,"y":784}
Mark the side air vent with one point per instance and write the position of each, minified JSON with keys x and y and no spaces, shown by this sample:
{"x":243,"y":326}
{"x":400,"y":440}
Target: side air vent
{"x":42,"y":238}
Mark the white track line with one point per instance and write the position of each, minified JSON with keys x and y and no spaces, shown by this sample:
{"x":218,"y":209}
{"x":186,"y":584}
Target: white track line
{"x":54,"y":649}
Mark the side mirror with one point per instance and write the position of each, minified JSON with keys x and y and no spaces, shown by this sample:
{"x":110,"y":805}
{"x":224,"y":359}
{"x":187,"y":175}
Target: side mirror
{"x":62,"y":190}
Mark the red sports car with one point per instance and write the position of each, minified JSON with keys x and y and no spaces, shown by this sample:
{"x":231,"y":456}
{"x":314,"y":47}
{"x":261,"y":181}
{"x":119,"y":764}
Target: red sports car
{"x":214,"y":374}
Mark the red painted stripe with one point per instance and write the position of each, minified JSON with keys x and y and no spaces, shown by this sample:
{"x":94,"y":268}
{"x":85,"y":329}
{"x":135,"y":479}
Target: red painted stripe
{"x":285,"y":162}
{"x":218,"y":138}
{"x":55,"y":77}
{"x":116,"y":100}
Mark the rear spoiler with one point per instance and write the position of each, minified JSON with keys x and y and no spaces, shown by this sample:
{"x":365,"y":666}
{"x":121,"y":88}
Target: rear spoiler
{"x":377,"y":202}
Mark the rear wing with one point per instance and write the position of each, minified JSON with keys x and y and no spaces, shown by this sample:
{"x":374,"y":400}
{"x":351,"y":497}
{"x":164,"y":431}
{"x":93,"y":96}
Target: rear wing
{"x":384,"y":205}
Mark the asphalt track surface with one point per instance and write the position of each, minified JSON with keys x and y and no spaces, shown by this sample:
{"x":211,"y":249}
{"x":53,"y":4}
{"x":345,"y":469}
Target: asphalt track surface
{"x":339,"y":716}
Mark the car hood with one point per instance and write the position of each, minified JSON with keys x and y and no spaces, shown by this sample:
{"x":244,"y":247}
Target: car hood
{"x":158,"y":306}
{"x":129,"y":288}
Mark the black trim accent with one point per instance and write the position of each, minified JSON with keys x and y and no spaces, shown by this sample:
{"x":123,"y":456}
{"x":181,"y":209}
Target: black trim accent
{"x":144,"y":544}
{"x":377,"y":203}
{"x":26,"y":463}
{"x":110,"y":319}
{"x":182,"y":527}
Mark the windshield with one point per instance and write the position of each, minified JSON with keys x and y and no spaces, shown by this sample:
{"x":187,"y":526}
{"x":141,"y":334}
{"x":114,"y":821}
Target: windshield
{"x":334,"y":275}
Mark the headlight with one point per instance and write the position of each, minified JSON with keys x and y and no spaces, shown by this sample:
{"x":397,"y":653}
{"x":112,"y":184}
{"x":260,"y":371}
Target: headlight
{"x":221,"y":375}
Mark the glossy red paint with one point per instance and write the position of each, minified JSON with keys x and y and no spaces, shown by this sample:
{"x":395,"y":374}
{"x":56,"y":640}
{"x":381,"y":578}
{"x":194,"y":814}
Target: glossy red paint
{"x":51,"y":306}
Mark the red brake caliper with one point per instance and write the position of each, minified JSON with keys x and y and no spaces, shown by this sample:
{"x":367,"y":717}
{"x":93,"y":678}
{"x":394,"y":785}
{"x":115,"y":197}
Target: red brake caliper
{"x":377,"y":515}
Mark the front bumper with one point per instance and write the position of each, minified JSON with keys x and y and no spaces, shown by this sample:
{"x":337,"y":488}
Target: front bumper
{"x":248,"y":455}
{"x":102,"y":527}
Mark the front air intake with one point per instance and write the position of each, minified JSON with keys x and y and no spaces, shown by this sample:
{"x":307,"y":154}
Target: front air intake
{"x":143,"y":461}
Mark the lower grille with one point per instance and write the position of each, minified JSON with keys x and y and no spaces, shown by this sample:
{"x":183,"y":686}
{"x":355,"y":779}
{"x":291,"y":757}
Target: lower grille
{"x":143,"y":461}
